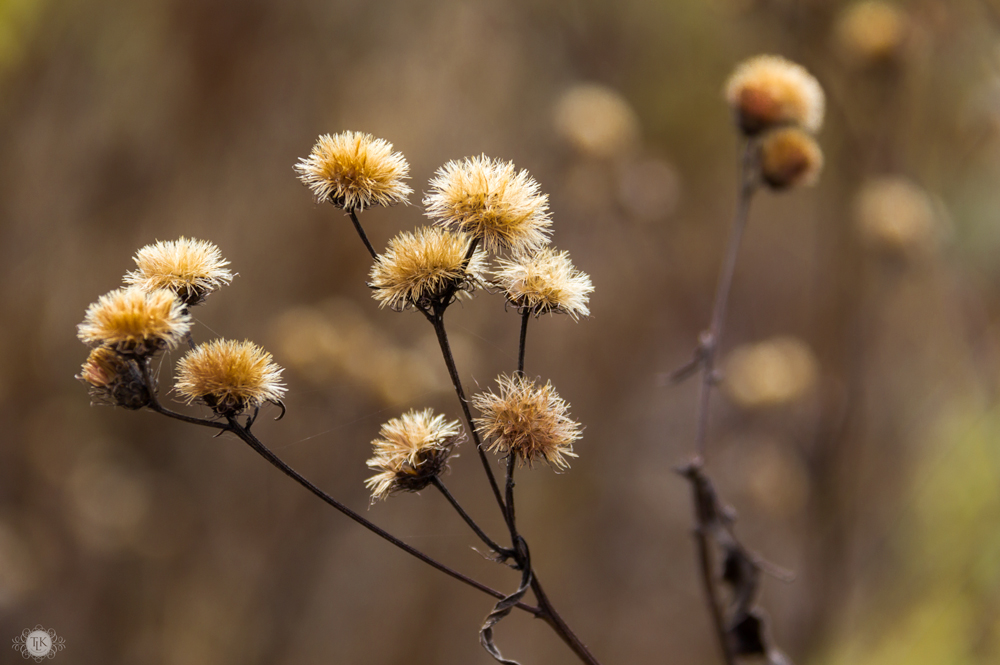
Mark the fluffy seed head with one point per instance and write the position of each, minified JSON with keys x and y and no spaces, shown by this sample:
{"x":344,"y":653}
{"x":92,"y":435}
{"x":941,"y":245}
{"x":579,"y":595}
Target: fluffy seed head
{"x":790,"y":157}
{"x":135,"y":322}
{"x":544,"y":282}
{"x":190,"y":268}
{"x":353,"y":171}
{"x":424,"y":266}
{"x":229,"y":376}
{"x":114,"y":379}
{"x":767,"y":91}
{"x":412,"y":450}
{"x":527,"y":420}
{"x":491,"y":201}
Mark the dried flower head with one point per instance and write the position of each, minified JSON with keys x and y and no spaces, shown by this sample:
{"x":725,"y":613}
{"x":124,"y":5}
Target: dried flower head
{"x":491,"y":201}
{"x":135,"y":322}
{"x":353,"y":171}
{"x":789,"y":157}
{"x":527,"y":420}
{"x":424,"y":267}
{"x":190,"y":268}
{"x":770,"y":373}
{"x":872,"y":32}
{"x":895,"y":216}
{"x":229,"y":376}
{"x":412,"y":450}
{"x":114,"y":379}
{"x":544,"y":282}
{"x":767,"y":91}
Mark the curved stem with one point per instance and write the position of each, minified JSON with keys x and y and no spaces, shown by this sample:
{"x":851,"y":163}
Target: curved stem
{"x":503,"y":551}
{"x":361,"y":232}
{"x":233,"y":426}
{"x":278,"y":463}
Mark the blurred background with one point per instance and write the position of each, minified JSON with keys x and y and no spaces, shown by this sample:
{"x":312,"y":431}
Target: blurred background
{"x":857,"y":433}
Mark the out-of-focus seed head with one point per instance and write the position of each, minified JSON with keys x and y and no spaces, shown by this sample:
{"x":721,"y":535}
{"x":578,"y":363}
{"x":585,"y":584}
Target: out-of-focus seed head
{"x":353,"y":171}
{"x":768,"y":91}
{"x":490,"y":201}
{"x":135,"y":322}
{"x":543,"y":282}
{"x":895,"y":216}
{"x":789,"y":157}
{"x":770,"y":373}
{"x":597,"y":121}
{"x":229,"y":377}
{"x":114,"y":379}
{"x":872,"y":33}
{"x":190,"y":268}
{"x":527,"y":420}
{"x":421,"y":268}
{"x":411,"y":451}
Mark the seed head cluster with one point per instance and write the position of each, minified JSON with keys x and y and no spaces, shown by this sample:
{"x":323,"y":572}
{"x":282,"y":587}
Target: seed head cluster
{"x":229,"y":376}
{"x":424,"y":266}
{"x":769,"y":91}
{"x":491,"y":201}
{"x":135,"y":322}
{"x":354,"y":171}
{"x":411,"y":451}
{"x":190,"y":268}
{"x":527,"y":420}
{"x":545,"y":282}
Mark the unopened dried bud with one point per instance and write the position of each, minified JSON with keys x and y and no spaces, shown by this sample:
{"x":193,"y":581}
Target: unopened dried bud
{"x":114,"y":379}
{"x":789,"y":157}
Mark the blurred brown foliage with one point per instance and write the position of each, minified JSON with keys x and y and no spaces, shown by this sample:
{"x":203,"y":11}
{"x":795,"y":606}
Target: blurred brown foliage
{"x":875,"y":478}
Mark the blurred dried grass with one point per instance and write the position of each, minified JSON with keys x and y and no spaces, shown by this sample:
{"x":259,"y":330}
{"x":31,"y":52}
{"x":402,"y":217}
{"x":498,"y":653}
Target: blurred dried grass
{"x":142,"y":541}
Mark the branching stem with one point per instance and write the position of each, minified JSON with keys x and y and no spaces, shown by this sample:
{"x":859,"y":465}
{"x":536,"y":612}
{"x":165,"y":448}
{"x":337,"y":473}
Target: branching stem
{"x":711,"y":339}
{"x":503,"y":551}
{"x":232,"y":425}
{"x":707,"y":355}
{"x":437,"y":320}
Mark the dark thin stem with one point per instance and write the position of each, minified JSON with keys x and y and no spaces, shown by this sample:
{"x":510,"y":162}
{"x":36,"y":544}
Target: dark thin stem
{"x":708,"y":349}
{"x":361,"y":232}
{"x":561,"y":628}
{"x":159,"y":408}
{"x":524,"y":335}
{"x":277,"y":462}
{"x":234,"y":426}
{"x":469,"y":252}
{"x":511,"y":459}
{"x":437,"y":320}
{"x":468,"y":520}
{"x":712,"y":338}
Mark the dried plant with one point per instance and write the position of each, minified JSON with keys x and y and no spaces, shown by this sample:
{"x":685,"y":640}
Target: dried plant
{"x":489,"y":219}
